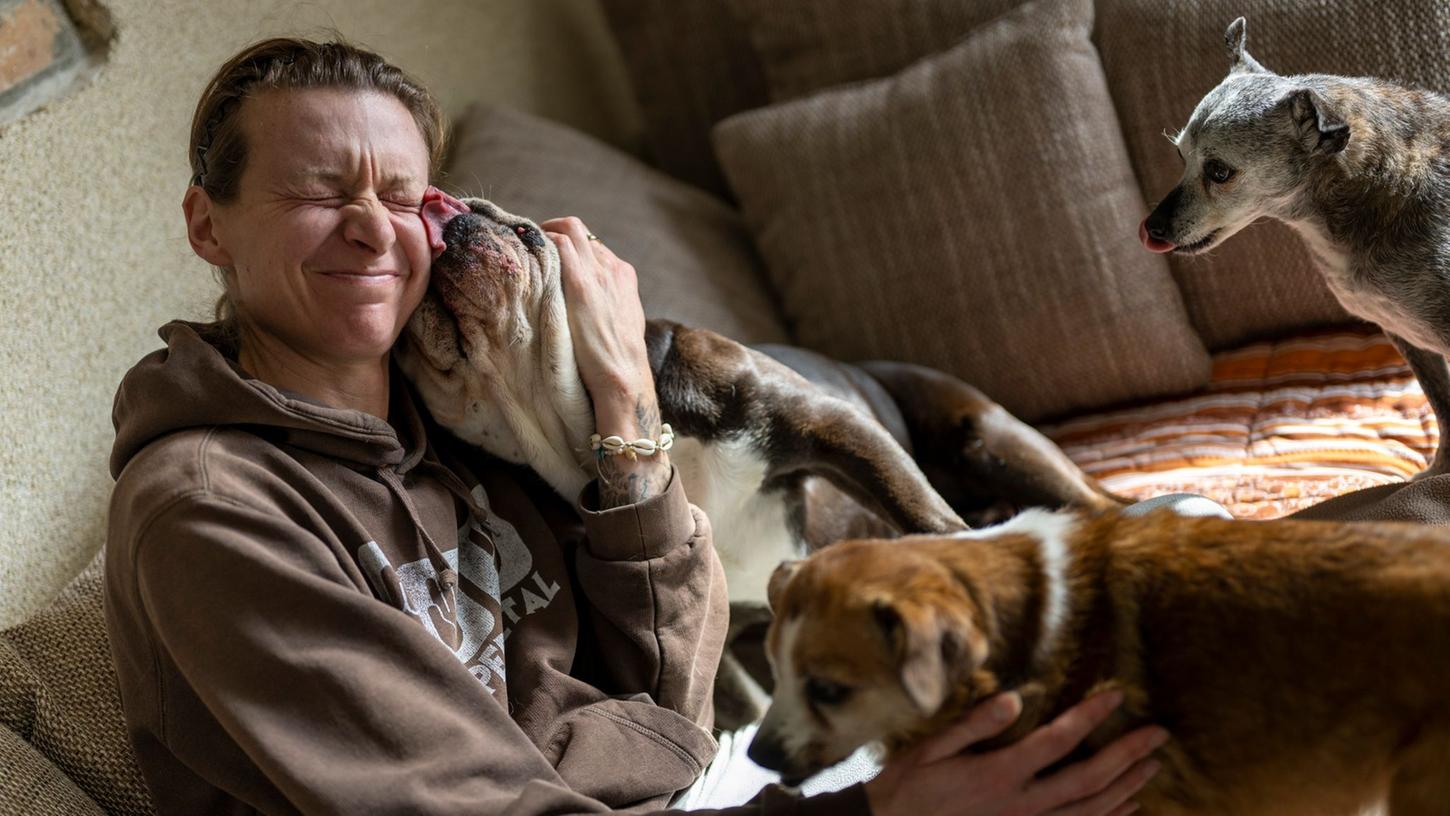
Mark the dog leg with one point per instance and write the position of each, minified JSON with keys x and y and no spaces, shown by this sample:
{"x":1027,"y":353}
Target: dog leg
{"x":833,"y":439}
{"x":976,"y":453}
{"x":1433,"y":372}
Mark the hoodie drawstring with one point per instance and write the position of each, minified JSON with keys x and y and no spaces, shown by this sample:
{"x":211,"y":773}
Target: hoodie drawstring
{"x":447,"y":576}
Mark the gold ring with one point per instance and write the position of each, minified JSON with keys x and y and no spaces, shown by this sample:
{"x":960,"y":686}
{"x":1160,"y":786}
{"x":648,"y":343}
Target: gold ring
{"x":591,"y":236}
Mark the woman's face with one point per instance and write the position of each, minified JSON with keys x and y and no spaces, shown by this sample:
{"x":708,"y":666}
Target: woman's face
{"x":327,"y":249}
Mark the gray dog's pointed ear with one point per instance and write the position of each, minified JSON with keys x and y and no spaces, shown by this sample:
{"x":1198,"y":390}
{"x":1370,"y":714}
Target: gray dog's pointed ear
{"x":1321,"y":129}
{"x":1235,"y":39}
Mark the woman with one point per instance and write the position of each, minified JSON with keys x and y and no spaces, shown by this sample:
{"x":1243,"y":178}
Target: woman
{"x":320,"y":603}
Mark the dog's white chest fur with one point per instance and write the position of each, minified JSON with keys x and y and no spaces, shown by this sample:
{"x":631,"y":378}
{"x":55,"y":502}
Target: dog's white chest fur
{"x":751,"y":528}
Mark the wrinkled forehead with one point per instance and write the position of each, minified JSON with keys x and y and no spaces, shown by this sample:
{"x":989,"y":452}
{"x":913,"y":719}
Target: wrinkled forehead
{"x":337,"y":136}
{"x":1237,"y":107}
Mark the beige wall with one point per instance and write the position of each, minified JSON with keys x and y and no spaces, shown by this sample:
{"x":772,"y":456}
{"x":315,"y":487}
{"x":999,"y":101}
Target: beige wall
{"x":93,"y":256}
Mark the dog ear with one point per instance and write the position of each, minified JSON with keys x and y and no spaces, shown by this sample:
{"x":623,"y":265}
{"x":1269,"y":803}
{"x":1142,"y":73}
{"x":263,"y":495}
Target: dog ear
{"x":1321,"y":129}
{"x":778,"y":580}
{"x":934,"y":649}
{"x":1239,"y":60}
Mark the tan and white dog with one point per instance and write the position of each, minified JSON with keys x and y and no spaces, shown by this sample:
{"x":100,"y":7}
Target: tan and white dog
{"x":778,"y":462}
{"x":1302,"y":668}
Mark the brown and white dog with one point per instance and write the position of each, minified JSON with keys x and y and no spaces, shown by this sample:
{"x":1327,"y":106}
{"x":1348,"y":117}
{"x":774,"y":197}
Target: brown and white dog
{"x":778,"y":462}
{"x":1301,"y":667}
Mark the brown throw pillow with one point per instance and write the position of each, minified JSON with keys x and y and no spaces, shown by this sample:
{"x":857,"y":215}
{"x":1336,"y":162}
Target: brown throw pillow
{"x":691,"y":65}
{"x":806,"y":46}
{"x":1161,"y":58}
{"x":691,"y":251}
{"x":975,"y":212}
{"x":58,"y":691}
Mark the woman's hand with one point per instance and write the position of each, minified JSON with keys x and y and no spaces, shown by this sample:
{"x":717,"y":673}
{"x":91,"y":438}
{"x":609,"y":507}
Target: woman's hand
{"x":937,"y":778}
{"x":607,"y":323}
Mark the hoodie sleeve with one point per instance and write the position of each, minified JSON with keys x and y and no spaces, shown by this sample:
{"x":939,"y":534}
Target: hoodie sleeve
{"x":325,"y":700}
{"x":657,"y":600}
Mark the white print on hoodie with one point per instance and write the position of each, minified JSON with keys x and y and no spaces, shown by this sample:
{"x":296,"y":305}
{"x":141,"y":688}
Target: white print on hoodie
{"x":469,"y":619}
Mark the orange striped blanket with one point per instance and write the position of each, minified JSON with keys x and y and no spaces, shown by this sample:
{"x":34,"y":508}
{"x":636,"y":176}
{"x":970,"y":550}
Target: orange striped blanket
{"x":1283,"y":425}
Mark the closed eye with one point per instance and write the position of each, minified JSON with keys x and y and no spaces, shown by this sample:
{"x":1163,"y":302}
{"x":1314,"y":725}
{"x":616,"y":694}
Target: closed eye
{"x":400,"y":205}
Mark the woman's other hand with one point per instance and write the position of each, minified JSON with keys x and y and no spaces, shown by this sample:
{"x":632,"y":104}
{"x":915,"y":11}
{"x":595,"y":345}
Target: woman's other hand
{"x":937,"y":778}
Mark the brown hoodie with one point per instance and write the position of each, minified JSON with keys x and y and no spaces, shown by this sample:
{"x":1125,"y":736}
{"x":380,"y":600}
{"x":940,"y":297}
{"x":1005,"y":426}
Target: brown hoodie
{"x":315,"y":611}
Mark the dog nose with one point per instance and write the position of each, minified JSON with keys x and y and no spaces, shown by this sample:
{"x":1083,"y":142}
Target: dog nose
{"x":767,"y":753}
{"x":1154,"y":229}
{"x":438,"y":211}
{"x":1160,"y":221}
{"x":1157,"y":225}
{"x":460,"y":229}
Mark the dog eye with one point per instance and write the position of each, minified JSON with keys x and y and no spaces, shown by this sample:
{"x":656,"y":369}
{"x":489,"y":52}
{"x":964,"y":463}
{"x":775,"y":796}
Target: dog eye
{"x":824,"y":692}
{"x":1218,"y":172}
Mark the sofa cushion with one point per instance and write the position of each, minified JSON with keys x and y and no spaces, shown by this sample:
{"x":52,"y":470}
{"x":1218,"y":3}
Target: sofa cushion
{"x":691,"y":65}
{"x":938,"y":216}
{"x":31,"y":784}
{"x":692,"y":252}
{"x":1284,"y":425}
{"x":1426,"y":501}
{"x":1161,"y":58}
{"x":805,"y":46}
{"x":58,"y":691}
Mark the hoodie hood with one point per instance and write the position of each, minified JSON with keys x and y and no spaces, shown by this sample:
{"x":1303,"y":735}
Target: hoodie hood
{"x":191,"y":383}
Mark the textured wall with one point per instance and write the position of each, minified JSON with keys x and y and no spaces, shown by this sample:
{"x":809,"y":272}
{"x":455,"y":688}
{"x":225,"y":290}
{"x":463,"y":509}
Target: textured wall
{"x":93,"y":254}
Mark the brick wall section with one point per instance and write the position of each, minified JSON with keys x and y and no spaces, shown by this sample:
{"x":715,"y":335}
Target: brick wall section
{"x":27,"y":42}
{"x":39,"y":52}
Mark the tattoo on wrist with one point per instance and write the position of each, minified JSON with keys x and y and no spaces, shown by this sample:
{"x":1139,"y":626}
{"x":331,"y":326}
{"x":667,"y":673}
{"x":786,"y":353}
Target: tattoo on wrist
{"x":626,"y":478}
{"x":647,"y":417}
{"x":622,"y":481}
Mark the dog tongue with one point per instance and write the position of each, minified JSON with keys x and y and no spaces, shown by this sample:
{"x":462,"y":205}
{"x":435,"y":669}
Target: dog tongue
{"x":438,"y":209}
{"x":1153,"y":244}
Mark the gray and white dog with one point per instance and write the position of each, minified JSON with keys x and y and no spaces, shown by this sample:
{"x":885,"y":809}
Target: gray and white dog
{"x":1359,"y":167}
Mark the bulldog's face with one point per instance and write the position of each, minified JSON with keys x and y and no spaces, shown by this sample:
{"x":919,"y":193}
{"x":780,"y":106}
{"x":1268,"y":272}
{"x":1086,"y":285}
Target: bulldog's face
{"x":488,"y":286}
{"x":489,"y":347}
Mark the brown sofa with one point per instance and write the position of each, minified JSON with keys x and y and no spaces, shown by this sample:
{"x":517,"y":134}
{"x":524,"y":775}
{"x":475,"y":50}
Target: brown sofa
{"x":920,"y":179}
